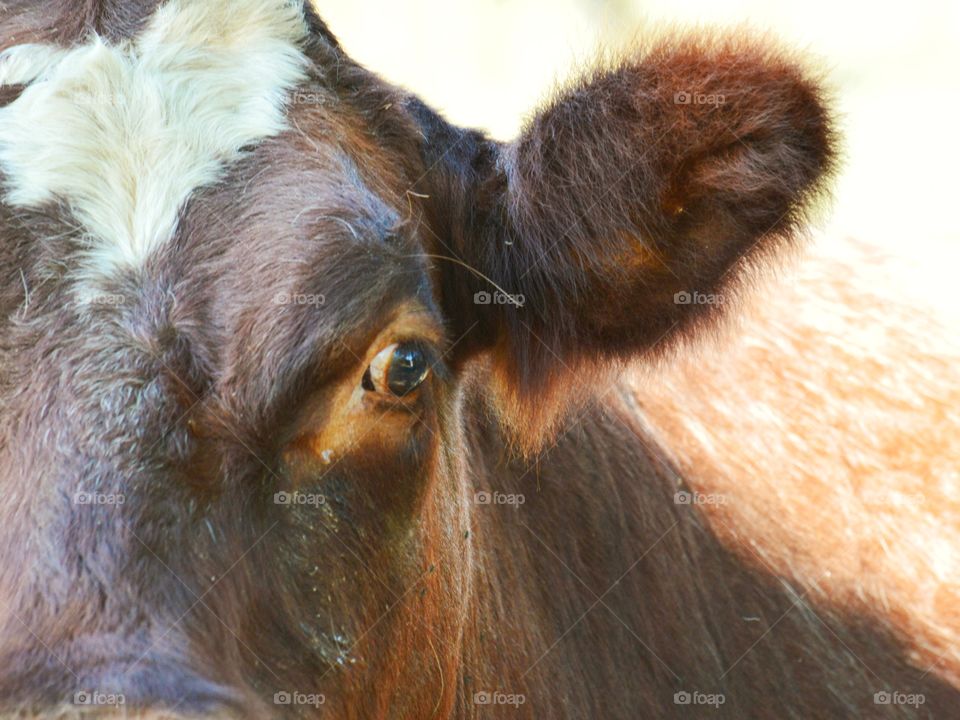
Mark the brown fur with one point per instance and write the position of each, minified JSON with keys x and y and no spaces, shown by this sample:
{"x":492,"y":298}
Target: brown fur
{"x":198,"y":398}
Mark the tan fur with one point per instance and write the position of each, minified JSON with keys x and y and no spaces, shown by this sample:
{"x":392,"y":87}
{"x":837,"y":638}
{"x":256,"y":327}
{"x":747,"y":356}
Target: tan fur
{"x":828,"y":422}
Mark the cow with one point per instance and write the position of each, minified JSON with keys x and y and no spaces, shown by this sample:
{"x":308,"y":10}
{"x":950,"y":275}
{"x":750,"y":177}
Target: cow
{"x":314,"y":404}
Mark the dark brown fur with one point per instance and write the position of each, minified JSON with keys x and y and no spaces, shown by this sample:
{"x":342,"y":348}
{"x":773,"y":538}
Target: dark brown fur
{"x":198,"y":399}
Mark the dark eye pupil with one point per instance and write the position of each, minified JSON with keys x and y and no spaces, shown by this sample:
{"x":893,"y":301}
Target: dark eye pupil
{"x":408,"y":368}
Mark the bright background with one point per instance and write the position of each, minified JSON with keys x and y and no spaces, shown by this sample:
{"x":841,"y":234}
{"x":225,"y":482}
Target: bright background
{"x":895,"y":68}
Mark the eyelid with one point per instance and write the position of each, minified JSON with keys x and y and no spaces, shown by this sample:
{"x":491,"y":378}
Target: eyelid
{"x":431,"y":351}
{"x":414,"y":324}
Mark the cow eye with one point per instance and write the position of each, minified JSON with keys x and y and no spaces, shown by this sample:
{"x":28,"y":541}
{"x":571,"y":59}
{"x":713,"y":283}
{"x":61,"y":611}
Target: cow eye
{"x":398,"y":369}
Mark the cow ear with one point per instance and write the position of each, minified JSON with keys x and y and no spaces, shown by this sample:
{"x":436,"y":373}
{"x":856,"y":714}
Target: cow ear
{"x":624,"y":214}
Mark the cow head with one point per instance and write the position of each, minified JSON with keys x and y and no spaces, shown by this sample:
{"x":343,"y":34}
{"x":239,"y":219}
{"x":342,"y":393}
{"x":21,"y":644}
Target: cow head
{"x":251,"y":295}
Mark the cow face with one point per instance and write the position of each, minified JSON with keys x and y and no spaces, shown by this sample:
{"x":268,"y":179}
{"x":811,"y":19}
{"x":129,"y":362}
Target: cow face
{"x":246,"y":286}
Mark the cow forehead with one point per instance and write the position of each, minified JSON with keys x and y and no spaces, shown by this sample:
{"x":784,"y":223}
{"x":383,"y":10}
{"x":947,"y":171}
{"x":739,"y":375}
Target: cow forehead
{"x":124,"y":133}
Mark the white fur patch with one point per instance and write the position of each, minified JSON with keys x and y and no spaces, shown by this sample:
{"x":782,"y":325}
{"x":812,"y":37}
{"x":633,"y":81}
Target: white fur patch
{"x":23,"y":64}
{"x":125,"y":133}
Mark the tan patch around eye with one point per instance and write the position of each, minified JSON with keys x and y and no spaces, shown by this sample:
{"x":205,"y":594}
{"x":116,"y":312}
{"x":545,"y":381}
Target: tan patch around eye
{"x":349,"y":418}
